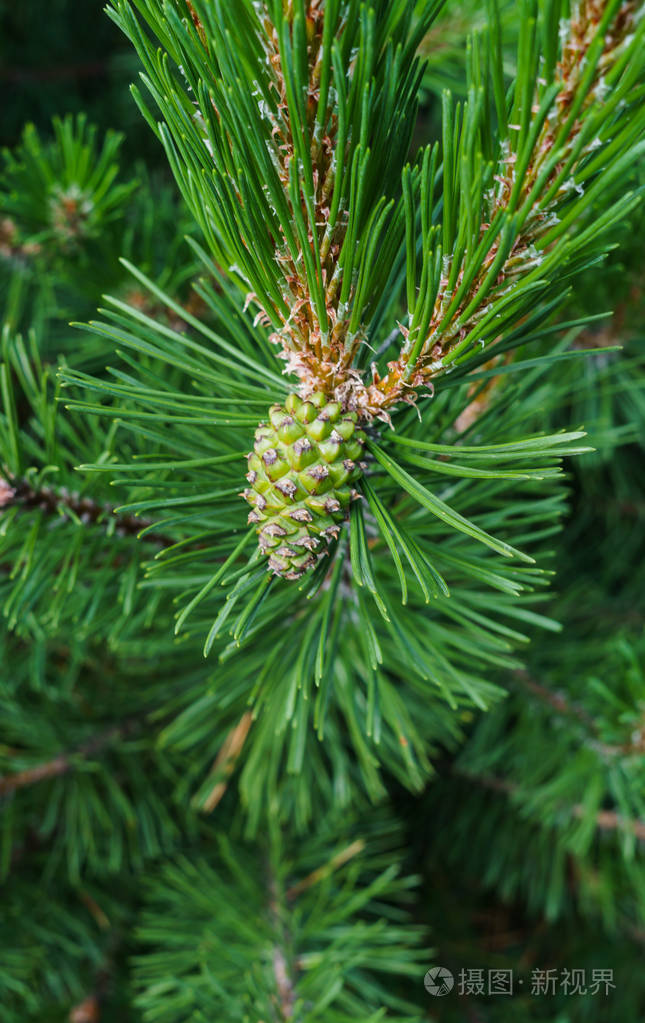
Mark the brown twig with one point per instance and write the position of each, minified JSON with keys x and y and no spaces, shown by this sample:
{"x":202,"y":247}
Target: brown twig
{"x":64,"y":762}
{"x":555,"y":699}
{"x":89,"y":1010}
{"x":605,"y":820}
{"x":608,"y":820}
{"x":559,"y":703}
{"x":57,"y":501}
{"x":284,"y":980}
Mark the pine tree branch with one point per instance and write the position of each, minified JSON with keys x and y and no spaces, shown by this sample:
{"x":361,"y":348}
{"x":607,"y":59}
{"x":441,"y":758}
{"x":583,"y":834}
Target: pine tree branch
{"x":65,"y":762}
{"x":533,"y":189}
{"x":609,"y":820}
{"x":60,"y":501}
{"x":313,"y":335}
{"x":303,"y":185}
{"x":605,"y":820}
{"x":284,"y":980}
{"x":336,"y":861}
{"x":556,"y":700}
{"x":559,"y":703}
{"x":89,"y":1010}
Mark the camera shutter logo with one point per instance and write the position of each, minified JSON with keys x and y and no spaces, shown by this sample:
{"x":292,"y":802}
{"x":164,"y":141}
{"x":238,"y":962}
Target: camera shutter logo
{"x":439,"y":981}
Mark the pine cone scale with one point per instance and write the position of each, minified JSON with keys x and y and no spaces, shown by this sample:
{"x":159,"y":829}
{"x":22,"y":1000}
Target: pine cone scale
{"x":303,"y":463}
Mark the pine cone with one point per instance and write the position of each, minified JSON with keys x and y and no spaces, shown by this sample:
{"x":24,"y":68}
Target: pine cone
{"x":300,"y":471}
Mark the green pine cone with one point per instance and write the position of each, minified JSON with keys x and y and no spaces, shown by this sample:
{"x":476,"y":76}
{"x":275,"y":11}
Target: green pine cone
{"x":303,"y":463}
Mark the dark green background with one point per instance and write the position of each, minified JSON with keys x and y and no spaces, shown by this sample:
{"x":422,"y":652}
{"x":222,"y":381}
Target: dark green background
{"x":66,"y":56}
